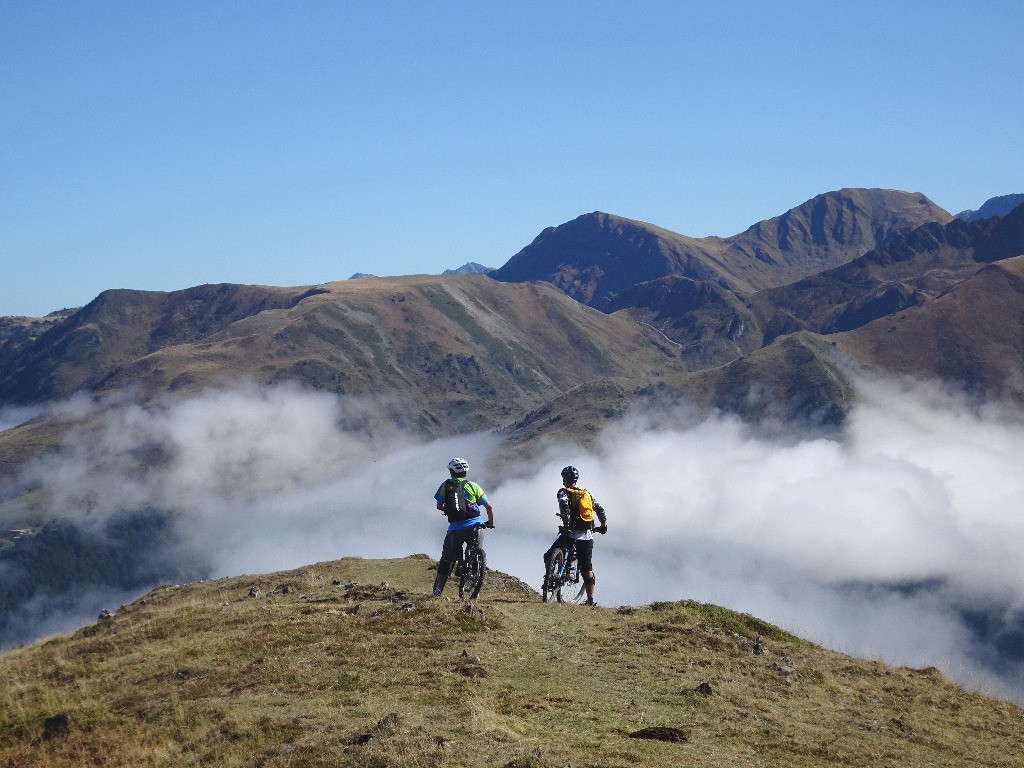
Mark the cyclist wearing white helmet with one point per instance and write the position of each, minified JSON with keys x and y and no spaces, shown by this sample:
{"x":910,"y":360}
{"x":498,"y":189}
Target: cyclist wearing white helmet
{"x":578,"y":508}
{"x":461,"y":501}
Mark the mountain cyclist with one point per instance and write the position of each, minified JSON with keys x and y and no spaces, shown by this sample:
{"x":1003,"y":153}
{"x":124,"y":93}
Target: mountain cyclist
{"x":461,"y":501}
{"x":577,"y":508}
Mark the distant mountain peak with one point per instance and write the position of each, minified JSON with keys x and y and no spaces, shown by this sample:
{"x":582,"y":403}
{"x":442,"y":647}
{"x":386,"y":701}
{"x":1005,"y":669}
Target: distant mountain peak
{"x":597,"y":254}
{"x":994,"y":206}
{"x":470,"y":267}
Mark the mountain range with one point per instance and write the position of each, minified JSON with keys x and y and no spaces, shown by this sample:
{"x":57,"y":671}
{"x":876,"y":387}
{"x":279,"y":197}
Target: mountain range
{"x":594,"y":257}
{"x":832,"y":265}
{"x":592,"y":317}
{"x":602,"y":306}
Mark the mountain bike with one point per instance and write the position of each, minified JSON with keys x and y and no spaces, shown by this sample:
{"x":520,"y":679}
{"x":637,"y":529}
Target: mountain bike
{"x":471,"y":566}
{"x":562,"y":576}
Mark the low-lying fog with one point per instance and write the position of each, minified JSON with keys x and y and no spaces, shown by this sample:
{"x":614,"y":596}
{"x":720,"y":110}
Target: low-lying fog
{"x":901,"y":539}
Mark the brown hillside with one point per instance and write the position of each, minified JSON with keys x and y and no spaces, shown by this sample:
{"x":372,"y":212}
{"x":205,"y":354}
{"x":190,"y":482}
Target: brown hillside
{"x":911,"y":269}
{"x":826,"y":231}
{"x":715,"y":325}
{"x":87,"y":345}
{"x":593,"y":257}
{"x":462,"y":351}
{"x":711,"y":324}
{"x":973,"y":335}
{"x":445,"y":353}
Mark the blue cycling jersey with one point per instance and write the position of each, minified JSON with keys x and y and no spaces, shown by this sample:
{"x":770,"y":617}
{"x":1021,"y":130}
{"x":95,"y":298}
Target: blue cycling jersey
{"x":462,"y":525}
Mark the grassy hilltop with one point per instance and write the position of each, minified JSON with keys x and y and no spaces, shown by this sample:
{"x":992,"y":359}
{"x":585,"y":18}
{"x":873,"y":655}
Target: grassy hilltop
{"x":352,"y":663}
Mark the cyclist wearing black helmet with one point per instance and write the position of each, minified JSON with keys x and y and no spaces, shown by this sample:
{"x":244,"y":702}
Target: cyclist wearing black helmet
{"x":577,"y":508}
{"x":460,"y":499}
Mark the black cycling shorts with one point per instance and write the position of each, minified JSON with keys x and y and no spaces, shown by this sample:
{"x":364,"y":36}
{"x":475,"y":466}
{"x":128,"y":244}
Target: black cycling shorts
{"x":453,"y":541}
{"x":585,"y":554}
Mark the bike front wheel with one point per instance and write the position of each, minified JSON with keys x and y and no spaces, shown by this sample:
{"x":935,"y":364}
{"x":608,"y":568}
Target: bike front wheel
{"x":552,"y":588}
{"x":471,"y":575}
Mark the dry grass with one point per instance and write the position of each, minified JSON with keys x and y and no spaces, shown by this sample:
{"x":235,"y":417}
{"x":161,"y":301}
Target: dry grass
{"x":206,"y":674}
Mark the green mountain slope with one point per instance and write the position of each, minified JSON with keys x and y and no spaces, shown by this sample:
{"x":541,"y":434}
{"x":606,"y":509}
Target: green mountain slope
{"x":350,"y":663}
{"x":797,"y":379}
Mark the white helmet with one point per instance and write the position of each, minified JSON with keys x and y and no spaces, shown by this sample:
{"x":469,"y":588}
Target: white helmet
{"x":458,"y":466}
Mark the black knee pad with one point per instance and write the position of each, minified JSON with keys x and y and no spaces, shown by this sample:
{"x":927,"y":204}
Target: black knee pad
{"x":590,"y":580}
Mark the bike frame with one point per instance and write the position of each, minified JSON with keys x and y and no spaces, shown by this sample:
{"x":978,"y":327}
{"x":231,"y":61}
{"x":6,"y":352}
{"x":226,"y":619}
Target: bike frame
{"x":568,"y":561}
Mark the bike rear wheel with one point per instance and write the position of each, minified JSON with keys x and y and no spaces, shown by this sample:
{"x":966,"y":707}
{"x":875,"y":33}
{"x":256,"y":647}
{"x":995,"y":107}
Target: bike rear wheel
{"x":471,"y":575}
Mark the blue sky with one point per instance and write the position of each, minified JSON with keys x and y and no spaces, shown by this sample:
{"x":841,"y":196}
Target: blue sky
{"x":158,"y":146}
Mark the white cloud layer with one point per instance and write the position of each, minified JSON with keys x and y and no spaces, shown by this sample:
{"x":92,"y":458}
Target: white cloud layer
{"x":873,"y":542}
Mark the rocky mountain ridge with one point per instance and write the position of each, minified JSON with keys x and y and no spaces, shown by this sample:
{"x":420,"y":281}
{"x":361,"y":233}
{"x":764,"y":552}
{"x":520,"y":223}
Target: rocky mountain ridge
{"x":995,"y":206}
{"x":598,"y":256}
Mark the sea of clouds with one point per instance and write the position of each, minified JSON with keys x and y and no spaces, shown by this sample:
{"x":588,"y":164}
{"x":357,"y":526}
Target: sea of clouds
{"x":898,"y":538}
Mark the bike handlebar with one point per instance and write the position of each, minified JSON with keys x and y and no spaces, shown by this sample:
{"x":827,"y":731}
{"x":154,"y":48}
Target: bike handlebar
{"x":602,"y":529}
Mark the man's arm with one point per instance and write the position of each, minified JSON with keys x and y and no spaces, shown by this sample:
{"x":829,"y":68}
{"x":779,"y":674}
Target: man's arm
{"x":563,"y":506}
{"x":481,"y":500}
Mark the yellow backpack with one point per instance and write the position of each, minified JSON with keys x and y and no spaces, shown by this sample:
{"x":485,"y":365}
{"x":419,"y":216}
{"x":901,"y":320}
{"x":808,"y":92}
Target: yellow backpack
{"x":582,"y":507}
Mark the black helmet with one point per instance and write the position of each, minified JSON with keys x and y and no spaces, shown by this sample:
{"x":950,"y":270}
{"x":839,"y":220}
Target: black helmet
{"x":570,"y":473}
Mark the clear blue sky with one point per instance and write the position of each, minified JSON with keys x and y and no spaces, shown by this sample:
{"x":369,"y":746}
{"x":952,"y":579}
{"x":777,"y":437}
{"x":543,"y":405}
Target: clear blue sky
{"x":163,"y":145}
